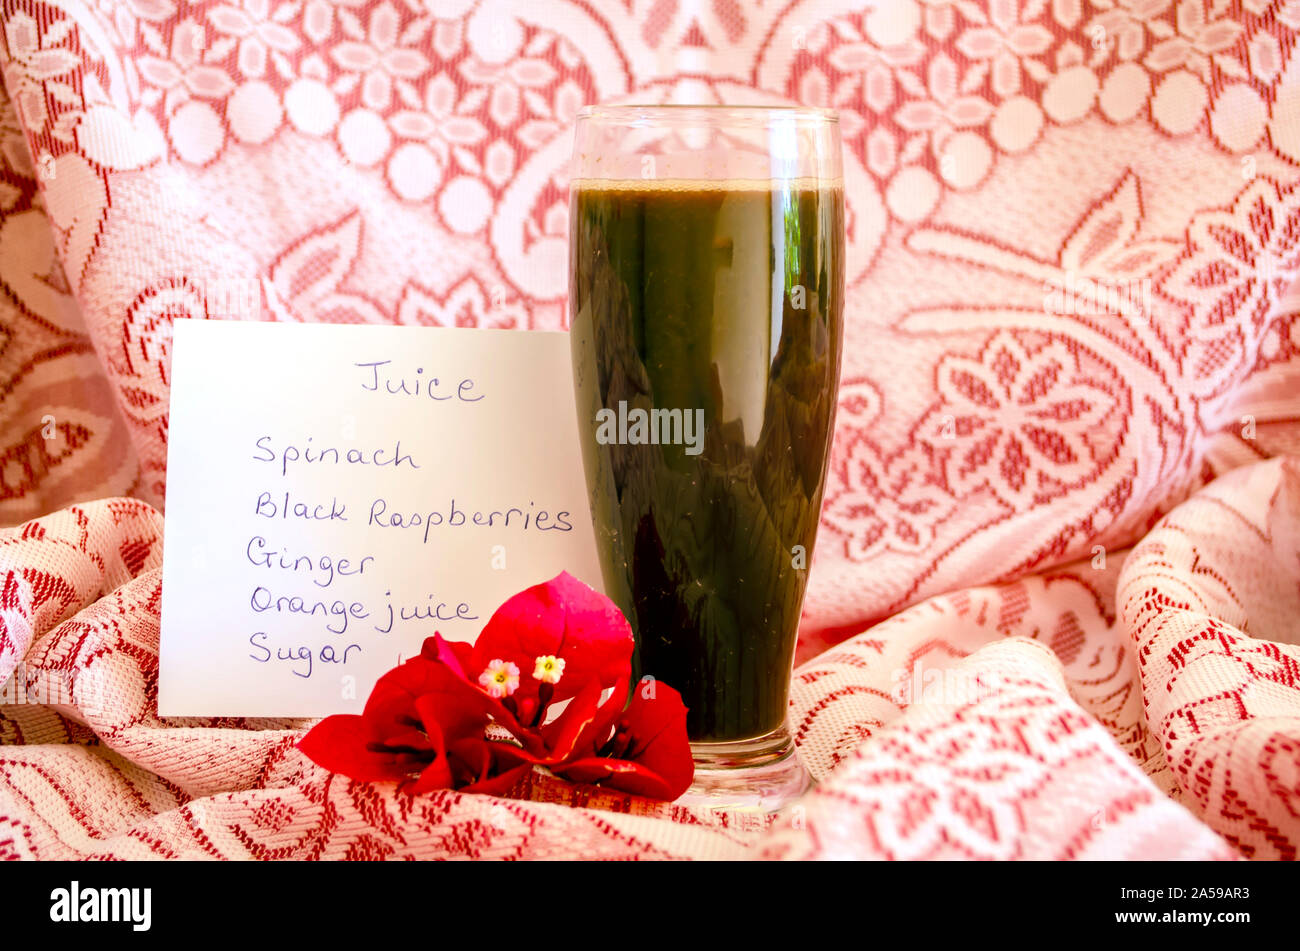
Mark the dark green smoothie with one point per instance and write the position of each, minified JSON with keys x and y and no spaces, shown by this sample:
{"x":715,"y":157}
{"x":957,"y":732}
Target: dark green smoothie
{"x":706,"y":343}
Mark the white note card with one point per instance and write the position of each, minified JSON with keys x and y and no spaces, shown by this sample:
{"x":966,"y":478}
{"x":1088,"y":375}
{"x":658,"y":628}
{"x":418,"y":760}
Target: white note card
{"x":336,"y":494}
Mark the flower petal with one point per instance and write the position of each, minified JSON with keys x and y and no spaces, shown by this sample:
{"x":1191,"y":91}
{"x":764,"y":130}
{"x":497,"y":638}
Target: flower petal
{"x":463,"y":691}
{"x":623,"y":775}
{"x":565,"y":618}
{"x":657,"y":762}
{"x":499,"y":784}
{"x":584,"y":724}
{"x":392,"y":705}
{"x":346,"y":744}
{"x":656,"y":720}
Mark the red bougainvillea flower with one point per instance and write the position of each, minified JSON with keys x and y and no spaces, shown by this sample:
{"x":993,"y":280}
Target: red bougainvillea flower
{"x":410,"y":732}
{"x":643,"y":753}
{"x":558,"y":643}
{"x":569,"y":632}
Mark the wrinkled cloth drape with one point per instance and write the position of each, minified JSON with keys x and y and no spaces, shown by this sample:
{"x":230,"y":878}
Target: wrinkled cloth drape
{"x":1053,"y":607}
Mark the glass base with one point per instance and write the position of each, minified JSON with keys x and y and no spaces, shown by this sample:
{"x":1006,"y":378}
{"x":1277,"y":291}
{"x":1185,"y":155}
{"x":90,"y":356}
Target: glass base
{"x":759,"y":776}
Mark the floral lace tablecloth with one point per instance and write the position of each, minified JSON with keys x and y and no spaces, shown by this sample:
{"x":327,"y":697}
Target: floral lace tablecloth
{"x":1052,"y":611}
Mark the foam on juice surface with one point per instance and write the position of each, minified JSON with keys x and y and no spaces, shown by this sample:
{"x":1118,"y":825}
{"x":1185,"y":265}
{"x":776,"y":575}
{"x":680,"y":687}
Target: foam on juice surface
{"x":705,"y":184}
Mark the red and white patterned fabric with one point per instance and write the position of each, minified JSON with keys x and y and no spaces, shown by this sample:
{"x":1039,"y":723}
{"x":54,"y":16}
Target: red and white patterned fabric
{"x":1052,"y":608}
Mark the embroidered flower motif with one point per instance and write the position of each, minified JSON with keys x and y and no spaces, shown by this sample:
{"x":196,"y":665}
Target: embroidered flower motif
{"x":885,"y":506}
{"x":1006,"y":40}
{"x":447,"y":125}
{"x":950,"y":791}
{"x":466,"y":304}
{"x":380,"y":59}
{"x":519,"y":91}
{"x":1239,"y":262}
{"x":30,"y":62}
{"x":1125,"y":26}
{"x":183,"y":70}
{"x":259,"y":31}
{"x":876,"y":70}
{"x":1015,"y":419}
{"x":1198,"y":43}
{"x":307,"y":281}
{"x":949,"y":105}
{"x":500,"y":679}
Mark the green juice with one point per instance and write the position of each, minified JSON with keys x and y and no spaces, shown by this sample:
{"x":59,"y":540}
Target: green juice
{"x":721,"y":301}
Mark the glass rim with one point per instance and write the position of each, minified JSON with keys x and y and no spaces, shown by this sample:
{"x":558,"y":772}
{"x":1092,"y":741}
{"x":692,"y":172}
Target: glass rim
{"x":640,"y":113}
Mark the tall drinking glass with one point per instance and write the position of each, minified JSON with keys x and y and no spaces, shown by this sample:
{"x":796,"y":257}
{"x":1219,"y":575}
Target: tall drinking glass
{"x":706,"y":289}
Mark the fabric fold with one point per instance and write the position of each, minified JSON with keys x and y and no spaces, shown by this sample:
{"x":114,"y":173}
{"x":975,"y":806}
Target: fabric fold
{"x":967,"y":726}
{"x":1210,"y":601}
